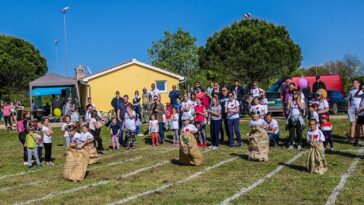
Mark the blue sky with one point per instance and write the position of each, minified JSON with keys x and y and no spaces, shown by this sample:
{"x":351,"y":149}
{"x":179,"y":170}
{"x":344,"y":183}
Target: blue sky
{"x":103,"y":33}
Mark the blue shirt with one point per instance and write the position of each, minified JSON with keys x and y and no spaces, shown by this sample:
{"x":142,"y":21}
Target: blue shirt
{"x":115,"y":128}
{"x":173,"y":95}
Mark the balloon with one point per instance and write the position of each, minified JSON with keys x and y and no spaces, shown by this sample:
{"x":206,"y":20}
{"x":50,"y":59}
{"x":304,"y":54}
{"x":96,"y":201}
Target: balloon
{"x":302,"y":83}
{"x":57,"y":112}
{"x":322,"y":92}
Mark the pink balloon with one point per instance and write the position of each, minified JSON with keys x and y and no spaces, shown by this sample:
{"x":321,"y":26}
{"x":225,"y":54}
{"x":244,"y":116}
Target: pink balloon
{"x":302,"y":83}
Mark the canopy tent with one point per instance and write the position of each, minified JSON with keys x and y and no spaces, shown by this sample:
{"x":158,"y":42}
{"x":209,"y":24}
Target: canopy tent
{"x":51,"y":83}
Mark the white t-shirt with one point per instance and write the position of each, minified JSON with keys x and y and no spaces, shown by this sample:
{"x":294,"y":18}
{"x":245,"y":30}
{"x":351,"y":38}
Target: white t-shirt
{"x":64,"y":129}
{"x":232,"y":105}
{"x":323,"y":104}
{"x":46,"y":138}
{"x":79,"y":138}
{"x":258,"y":108}
{"x":91,"y":125}
{"x":87,"y":135}
{"x":154,"y":93}
{"x":273,"y":124}
{"x":184,"y":105}
{"x":189,"y":128}
{"x":175,"y":123}
{"x":295,"y":109}
{"x":355,"y":102}
{"x":255,"y":92}
{"x":257,"y":123}
{"x":154,"y":126}
{"x":361,"y":104}
{"x":130,"y":121}
{"x":317,"y":136}
{"x":315,"y":116}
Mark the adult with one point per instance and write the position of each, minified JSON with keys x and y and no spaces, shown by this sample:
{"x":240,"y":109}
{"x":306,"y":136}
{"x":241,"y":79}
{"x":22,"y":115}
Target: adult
{"x":272,"y":130}
{"x":318,"y":84}
{"x":232,"y":111}
{"x":116,"y":101}
{"x":223,"y":99}
{"x":6,"y":109}
{"x":154,"y":92}
{"x":239,"y":94}
{"x":286,"y":92}
{"x":158,"y":110}
{"x":75,"y":116}
{"x":121,"y":110}
{"x":145,"y":102}
{"x":47,"y":109}
{"x":126,"y":100}
{"x":216,"y":90}
{"x":136,"y":103}
{"x":255,"y":91}
{"x":89,"y":102}
{"x":295,"y":112}
{"x":210,"y":89}
{"x":323,"y":107}
{"x":215,"y":122}
{"x":360,"y":111}
{"x":173,"y":95}
{"x":353,"y":105}
{"x":67,"y":107}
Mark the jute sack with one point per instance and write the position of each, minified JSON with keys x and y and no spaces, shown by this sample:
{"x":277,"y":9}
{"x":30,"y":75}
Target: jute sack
{"x":76,"y":163}
{"x":93,"y":156}
{"x":316,"y":162}
{"x":258,"y":144}
{"x":189,"y":152}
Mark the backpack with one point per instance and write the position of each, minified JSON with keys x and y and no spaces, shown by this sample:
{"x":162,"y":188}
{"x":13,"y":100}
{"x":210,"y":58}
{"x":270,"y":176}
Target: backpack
{"x":20,"y":126}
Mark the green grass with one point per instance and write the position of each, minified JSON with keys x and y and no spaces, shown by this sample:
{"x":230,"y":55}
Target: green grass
{"x":292,"y":185}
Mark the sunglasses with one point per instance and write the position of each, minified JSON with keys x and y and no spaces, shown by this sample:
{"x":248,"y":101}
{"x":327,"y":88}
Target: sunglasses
{"x":224,"y":90}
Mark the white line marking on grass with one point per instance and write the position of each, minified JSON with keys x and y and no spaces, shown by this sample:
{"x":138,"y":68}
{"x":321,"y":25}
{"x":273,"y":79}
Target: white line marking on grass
{"x":53,"y":194}
{"x":161,"y":188}
{"x":26,"y":172}
{"x":244,"y":190}
{"x":116,"y":163}
{"x":335,"y":193}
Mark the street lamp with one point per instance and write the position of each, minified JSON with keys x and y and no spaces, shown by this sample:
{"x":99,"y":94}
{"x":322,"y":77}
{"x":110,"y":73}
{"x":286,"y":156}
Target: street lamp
{"x":64,"y":11}
{"x":56,"y":46}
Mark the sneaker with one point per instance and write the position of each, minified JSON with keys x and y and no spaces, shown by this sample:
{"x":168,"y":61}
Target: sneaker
{"x":290,"y":147}
{"x":211,"y":147}
{"x":214,"y":148}
{"x":332,"y":149}
{"x":26,"y":163}
{"x":299,"y":147}
{"x":47,"y":164}
{"x":51,"y":164}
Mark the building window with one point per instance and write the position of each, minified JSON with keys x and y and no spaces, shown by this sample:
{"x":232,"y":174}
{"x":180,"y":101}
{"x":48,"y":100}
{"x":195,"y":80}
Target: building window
{"x":161,"y":85}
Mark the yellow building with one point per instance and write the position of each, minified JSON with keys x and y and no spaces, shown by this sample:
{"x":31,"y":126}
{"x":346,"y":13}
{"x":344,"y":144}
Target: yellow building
{"x":126,"y":78}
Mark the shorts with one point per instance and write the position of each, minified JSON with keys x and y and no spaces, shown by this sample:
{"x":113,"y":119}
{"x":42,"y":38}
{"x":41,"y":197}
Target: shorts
{"x":360,"y":120}
{"x":351,"y":115}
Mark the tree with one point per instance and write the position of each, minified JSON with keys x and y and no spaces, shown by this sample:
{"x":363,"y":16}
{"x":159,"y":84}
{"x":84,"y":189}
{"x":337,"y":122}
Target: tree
{"x":175,"y":52}
{"x":20,"y":63}
{"x":249,"y":50}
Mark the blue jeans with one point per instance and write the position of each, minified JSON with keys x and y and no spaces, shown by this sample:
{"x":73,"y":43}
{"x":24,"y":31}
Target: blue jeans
{"x":121,"y":132}
{"x":40,"y":149}
{"x":33,"y":152}
{"x":137,"y":130}
{"x":273,"y":139}
{"x":215,"y":127}
{"x":233,"y":125}
{"x":161,"y":132}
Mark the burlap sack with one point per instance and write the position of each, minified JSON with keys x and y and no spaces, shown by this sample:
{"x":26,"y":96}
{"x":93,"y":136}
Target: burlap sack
{"x":189,"y":152}
{"x":76,"y":164}
{"x":93,"y":156}
{"x":316,"y":162}
{"x":258,"y":144}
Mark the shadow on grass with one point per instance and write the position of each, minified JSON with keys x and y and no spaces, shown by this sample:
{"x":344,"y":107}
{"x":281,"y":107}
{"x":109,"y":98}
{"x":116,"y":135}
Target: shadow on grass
{"x":178,"y":163}
{"x":242,"y":156}
{"x":342,"y":154}
{"x":294,"y":167}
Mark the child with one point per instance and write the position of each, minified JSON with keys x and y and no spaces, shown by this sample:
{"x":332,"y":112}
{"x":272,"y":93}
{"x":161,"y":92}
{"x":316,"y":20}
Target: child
{"x":326,"y":128}
{"x":81,"y":140}
{"x":257,"y":121}
{"x":67,"y":122}
{"x":40,"y":147}
{"x":264,"y":102}
{"x":138,"y":123}
{"x":316,"y":158}
{"x":154,"y":130}
{"x":130,"y":127}
{"x":47,"y":141}
{"x":31,"y":143}
{"x":95,"y":129}
{"x":21,"y":128}
{"x":175,"y":126}
{"x":186,"y":124}
{"x":200,"y":114}
{"x":115,"y":132}
{"x":313,"y":113}
{"x":257,"y":107}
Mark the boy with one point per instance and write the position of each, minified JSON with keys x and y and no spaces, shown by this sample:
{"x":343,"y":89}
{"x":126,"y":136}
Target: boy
{"x":130,"y":127}
{"x":272,"y":130}
{"x":31,"y":144}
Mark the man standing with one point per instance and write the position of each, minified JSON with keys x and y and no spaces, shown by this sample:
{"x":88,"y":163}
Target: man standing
{"x":121,"y":110}
{"x":116,"y":101}
{"x":145,"y":103}
{"x":223,"y":99}
{"x":239,"y":93}
{"x":353,"y":105}
{"x":173,"y":95}
{"x":154,"y":92}
{"x":318,"y":84}
{"x":158,"y":110}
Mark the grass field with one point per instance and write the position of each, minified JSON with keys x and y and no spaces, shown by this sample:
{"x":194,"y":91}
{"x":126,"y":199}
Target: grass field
{"x":148,"y":176}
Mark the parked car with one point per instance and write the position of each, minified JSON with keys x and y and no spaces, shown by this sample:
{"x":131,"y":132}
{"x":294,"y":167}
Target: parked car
{"x":337,"y":101}
{"x":275,"y":104}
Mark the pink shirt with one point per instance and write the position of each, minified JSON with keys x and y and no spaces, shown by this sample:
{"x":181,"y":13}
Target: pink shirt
{"x":6,"y":110}
{"x":205,"y":101}
{"x":199,"y":117}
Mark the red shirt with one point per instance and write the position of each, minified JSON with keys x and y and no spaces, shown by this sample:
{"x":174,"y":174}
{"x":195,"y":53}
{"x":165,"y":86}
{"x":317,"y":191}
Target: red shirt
{"x":199,"y":117}
{"x":205,"y":101}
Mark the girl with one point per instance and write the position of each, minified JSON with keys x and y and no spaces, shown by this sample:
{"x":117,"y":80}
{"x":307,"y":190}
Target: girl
{"x":313,"y":114}
{"x":47,"y":141}
{"x":22,"y":128}
{"x":136,"y":102}
{"x":31,"y":144}
{"x":316,"y":163}
{"x":200,"y":114}
{"x":81,"y":140}
{"x":232,"y":110}
{"x":67,"y":122}
{"x":326,"y":128}
{"x":175,"y":126}
{"x":138,"y":123}
{"x":215,"y":122}
{"x":40,"y":147}
{"x":186,"y":105}
{"x":264,"y":103}
{"x":154,"y":130}
{"x":6,"y":109}
{"x":115,"y":132}
{"x":95,"y":129}
{"x":257,"y":107}
{"x":295,"y":121}
{"x":193,"y":103}
{"x":257,"y":121}
{"x":130,"y":127}
{"x":187,"y":126}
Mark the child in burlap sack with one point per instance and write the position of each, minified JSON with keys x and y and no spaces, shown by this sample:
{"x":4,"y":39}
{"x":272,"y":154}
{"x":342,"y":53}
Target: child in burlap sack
{"x":316,"y":162}
{"x":258,"y":143}
{"x":189,"y":152}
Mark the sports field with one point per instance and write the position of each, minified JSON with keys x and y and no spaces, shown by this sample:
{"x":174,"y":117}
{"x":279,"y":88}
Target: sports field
{"x":148,"y":175}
